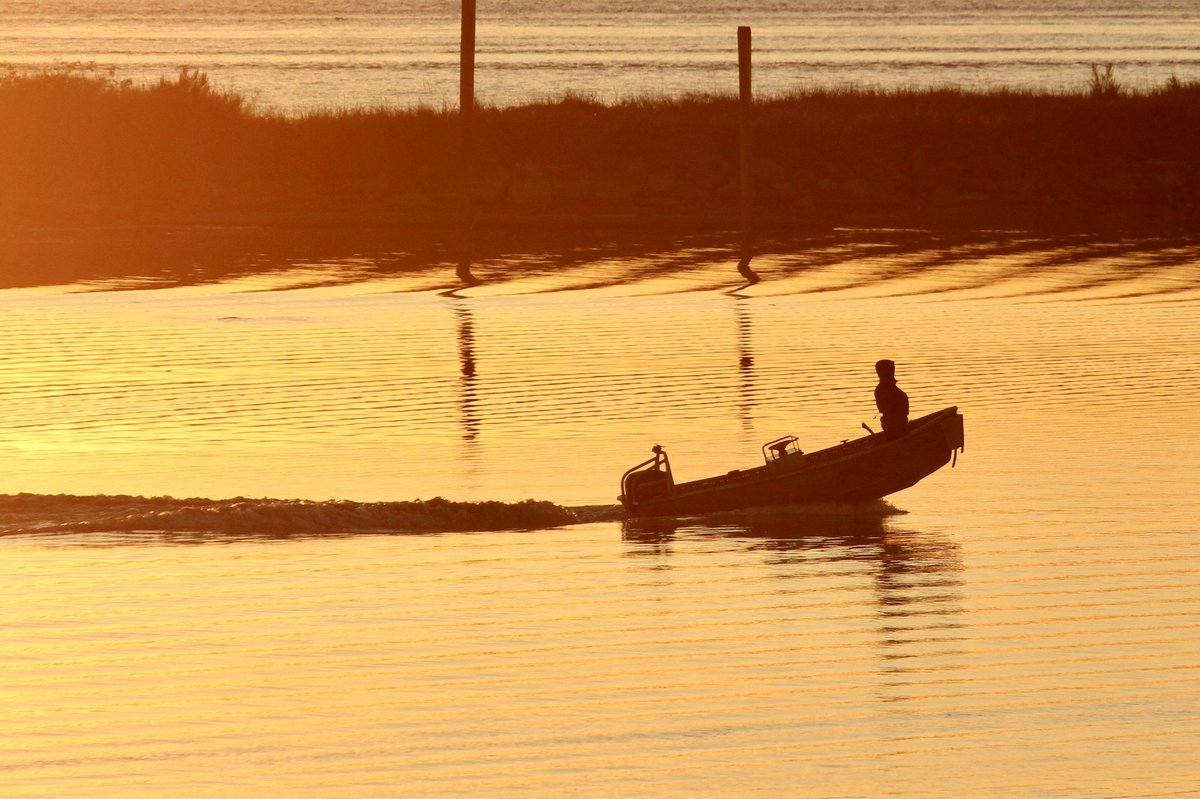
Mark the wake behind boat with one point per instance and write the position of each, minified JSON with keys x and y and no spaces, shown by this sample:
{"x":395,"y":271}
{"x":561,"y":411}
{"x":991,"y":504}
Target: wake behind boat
{"x":866,"y":468}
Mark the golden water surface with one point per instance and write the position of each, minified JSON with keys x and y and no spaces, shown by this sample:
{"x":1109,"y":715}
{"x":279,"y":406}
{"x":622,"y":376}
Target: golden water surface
{"x":1028,"y":625}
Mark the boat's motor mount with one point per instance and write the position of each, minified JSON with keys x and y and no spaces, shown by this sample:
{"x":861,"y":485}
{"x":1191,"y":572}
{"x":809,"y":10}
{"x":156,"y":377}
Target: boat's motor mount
{"x":650,"y":478}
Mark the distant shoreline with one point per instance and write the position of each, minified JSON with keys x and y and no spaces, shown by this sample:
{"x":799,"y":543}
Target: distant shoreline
{"x":82,"y":150}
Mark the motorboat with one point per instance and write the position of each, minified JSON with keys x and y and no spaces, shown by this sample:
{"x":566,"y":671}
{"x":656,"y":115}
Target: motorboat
{"x":865,"y":468}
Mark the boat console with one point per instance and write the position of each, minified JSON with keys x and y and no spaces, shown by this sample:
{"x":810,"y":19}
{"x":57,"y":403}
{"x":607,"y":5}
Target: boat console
{"x":780,"y":448}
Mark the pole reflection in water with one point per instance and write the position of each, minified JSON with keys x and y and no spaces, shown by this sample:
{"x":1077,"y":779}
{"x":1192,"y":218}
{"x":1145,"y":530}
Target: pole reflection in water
{"x":466,"y":358}
{"x":745,"y":365}
{"x":744,"y":263}
{"x":463,"y":271}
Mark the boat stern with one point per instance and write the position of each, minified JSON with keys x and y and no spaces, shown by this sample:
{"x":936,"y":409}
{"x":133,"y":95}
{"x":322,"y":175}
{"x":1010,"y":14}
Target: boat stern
{"x":649,"y":480}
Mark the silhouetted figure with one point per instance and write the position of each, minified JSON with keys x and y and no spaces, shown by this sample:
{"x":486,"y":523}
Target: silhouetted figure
{"x":890,"y":400}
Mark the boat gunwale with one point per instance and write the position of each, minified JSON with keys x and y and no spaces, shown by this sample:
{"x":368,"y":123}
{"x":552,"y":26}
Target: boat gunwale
{"x":826,"y":457}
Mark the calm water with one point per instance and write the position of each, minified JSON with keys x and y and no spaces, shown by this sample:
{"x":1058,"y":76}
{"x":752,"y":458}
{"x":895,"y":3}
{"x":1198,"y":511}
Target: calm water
{"x":307,"y":54}
{"x":1026,"y":624}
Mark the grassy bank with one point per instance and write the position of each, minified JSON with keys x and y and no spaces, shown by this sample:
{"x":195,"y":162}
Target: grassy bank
{"x":80,"y":148}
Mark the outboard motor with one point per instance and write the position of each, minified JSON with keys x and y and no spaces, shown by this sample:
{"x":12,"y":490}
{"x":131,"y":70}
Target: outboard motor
{"x":649,"y":479}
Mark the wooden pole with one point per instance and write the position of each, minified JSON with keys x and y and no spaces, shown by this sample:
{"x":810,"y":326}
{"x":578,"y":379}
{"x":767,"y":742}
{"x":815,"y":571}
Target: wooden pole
{"x":745,"y":103}
{"x":466,"y":113}
{"x":466,"y":69}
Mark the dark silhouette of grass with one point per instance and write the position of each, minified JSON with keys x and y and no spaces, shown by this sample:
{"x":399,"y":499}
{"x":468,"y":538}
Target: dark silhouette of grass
{"x":81,"y":148}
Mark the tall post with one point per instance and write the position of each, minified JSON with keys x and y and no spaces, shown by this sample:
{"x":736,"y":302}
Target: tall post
{"x":466,"y":68}
{"x":745,"y":103}
{"x":466,"y":114}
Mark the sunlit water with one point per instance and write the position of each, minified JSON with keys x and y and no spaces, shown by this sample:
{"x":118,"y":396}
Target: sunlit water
{"x":1027,"y":625}
{"x":309,"y":54}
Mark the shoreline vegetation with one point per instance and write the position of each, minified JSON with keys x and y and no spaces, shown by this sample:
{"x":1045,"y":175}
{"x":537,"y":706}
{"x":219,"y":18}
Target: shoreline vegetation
{"x":80,"y":148}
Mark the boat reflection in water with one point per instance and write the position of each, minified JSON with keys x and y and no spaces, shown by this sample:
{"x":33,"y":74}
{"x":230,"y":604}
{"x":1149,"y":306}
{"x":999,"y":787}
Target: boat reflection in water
{"x":860,"y":532}
{"x":854,"y":567}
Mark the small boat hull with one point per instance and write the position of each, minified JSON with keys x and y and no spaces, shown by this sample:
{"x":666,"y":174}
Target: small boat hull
{"x":867,"y":468}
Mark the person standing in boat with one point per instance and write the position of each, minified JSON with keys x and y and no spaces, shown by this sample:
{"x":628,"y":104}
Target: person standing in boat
{"x":891,"y":401}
